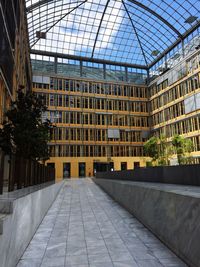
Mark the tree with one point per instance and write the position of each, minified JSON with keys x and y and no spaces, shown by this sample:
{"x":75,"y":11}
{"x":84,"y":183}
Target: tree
{"x":158,"y":149}
{"x":182,"y":147}
{"x":188,"y":147}
{"x":164,"y":150}
{"x":151,"y":148}
{"x":24,"y":133}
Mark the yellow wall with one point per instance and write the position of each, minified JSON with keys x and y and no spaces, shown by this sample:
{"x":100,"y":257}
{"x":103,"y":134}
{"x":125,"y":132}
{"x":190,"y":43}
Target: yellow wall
{"x":89,"y":164}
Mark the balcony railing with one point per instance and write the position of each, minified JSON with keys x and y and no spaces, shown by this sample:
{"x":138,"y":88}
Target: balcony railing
{"x":17,"y":173}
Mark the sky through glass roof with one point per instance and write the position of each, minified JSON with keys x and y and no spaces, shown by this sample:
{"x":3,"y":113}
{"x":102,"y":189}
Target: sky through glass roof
{"x":126,"y":31}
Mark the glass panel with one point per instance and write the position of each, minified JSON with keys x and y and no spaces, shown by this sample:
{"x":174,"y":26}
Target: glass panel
{"x":135,"y":32}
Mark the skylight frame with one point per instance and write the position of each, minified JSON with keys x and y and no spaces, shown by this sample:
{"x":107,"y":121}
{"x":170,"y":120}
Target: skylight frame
{"x":148,"y":37}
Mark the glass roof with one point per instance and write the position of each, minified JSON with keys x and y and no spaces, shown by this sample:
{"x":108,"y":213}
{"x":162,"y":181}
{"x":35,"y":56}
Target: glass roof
{"x":126,"y":31}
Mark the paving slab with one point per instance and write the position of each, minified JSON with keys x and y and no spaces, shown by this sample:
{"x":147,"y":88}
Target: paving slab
{"x":85,"y":228}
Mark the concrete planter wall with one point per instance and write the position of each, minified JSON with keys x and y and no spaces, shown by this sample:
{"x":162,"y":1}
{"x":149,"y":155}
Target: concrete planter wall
{"x":18,"y":228}
{"x":171,"y":212}
{"x":184,"y":174}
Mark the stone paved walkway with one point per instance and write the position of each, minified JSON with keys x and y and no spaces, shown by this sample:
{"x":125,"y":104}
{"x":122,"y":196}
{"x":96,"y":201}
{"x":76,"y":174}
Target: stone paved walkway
{"x":86,"y":228}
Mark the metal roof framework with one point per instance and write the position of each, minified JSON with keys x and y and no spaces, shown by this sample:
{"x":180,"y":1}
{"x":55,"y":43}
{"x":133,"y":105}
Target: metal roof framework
{"x":120,"y":31}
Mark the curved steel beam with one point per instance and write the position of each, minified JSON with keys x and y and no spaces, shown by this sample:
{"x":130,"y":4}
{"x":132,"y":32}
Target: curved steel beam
{"x":140,"y":44}
{"x":60,"y":20}
{"x":158,"y":16}
{"x":99,"y":27}
{"x":41,"y":3}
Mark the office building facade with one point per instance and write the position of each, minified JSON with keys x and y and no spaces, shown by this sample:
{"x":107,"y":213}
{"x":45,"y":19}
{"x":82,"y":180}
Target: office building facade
{"x":112,"y":73}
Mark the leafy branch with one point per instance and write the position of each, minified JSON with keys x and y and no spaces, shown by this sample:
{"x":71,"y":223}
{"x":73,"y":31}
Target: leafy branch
{"x":24,"y":133}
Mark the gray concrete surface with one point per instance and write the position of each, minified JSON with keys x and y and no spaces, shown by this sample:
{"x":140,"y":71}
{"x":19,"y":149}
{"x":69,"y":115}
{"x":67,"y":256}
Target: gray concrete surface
{"x":172,"y":212}
{"x":18,"y":228}
{"x":86,"y":228}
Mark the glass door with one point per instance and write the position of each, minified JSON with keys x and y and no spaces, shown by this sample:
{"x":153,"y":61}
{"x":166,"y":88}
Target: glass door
{"x":81,"y":169}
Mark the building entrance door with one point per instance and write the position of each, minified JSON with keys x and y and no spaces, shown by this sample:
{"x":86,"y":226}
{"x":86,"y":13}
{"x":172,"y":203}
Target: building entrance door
{"x":81,"y":169}
{"x":123,"y":166}
{"x":66,"y":170}
{"x":136,"y":165}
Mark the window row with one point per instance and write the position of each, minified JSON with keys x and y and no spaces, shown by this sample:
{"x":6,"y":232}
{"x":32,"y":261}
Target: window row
{"x":96,"y":119}
{"x":78,"y":134}
{"x":174,"y":93}
{"x":169,"y":113}
{"x":56,"y":100}
{"x":95,"y":151}
{"x":156,"y":88}
{"x":187,"y":67}
{"x":181,"y":127}
{"x":193,"y":63}
{"x":93,"y":88}
{"x":196,"y":143}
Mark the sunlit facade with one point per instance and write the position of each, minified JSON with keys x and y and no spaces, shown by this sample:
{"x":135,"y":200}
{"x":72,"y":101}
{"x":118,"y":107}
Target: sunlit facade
{"x":100,"y":113}
{"x":175,"y":102}
{"x":15,"y":68}
{"x":112,"y":73}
